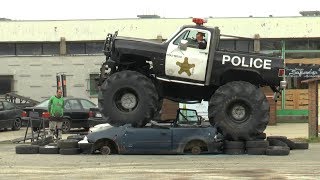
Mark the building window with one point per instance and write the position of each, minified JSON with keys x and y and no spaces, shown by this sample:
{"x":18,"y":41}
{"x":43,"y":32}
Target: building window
{"x":229,"y":45}
{"x":236,"y":45}
{"x":76,"y":48}
{"x":7,"y":49}
{"x":93,"y":87}
{"x":94,"y":47}
{"x":51,"y":48}
{"x":244,"y":45}
{"x":29,"y":49}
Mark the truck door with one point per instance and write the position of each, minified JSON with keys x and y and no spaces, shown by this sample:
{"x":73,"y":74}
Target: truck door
{"x":189,"y":63}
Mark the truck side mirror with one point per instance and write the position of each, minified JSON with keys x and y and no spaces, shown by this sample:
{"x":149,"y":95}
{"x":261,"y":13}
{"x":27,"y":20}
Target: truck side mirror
{"x":183,"y":44}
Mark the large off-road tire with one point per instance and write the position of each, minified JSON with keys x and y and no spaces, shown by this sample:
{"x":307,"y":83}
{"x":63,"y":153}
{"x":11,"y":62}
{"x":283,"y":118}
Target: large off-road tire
{"x":128,"y":97}
{"x":239,"y":110}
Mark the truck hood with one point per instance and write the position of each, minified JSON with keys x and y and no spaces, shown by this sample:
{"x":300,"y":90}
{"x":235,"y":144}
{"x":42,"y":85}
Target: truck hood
{"x":140,"y":47}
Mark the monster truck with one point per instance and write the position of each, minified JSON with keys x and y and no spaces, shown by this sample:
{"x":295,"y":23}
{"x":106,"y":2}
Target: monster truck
{"x":138,"y":74}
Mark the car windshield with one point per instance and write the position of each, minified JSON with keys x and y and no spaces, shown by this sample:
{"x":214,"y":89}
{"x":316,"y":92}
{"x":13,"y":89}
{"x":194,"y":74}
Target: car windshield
{"x":43,"y":103}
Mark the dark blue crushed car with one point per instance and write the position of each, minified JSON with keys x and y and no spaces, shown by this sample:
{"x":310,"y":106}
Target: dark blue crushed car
{"x":184,"y":135}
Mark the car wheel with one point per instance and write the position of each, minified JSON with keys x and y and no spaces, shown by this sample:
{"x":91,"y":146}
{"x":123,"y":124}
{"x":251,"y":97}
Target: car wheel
{"x":16,"y":124}
{"x":105,"y":150}
{"x":66,"y":126}
{"x":239,"y":110}
{"x":196,"y":150}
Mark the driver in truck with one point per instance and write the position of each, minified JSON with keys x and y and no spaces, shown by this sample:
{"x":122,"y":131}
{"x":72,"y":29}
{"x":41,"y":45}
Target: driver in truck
{"x":202,"y":43}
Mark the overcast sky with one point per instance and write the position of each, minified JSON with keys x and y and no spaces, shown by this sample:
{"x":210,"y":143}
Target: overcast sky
{"x":106,"y":9}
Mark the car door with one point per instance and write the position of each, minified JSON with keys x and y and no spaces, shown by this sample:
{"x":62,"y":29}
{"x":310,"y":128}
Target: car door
{"x":190,"y":63}
{"x":10,"y":113}
{"x":86,"y":105}
{"x":76,"y":112}
{"x":2,"y":116}
{"x":147,"y":140}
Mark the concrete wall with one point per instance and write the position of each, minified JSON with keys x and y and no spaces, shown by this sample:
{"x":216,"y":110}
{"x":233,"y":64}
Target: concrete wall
{"x":79,"y":30}
{"x":35,"y":76}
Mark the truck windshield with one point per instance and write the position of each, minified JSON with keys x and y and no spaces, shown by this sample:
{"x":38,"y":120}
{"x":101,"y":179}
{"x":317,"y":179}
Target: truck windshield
{"x":173,"y":35}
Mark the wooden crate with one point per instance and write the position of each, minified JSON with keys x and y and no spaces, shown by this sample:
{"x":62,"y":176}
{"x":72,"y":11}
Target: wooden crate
{"x":295,"y":99}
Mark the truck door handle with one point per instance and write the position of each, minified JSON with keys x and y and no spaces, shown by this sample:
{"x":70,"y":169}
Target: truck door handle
{"x":163,"y":133}
{"x":203,"y":52}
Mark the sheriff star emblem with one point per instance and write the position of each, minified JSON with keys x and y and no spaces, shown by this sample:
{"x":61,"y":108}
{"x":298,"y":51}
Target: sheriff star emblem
{"x":185,"y":66}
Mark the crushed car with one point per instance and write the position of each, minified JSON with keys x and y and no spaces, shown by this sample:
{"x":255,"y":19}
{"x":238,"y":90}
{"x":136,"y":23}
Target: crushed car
{"x":184,"y":135}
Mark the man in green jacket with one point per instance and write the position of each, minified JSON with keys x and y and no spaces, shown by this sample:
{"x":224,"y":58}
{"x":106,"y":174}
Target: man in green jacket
{"x":55,"y":107}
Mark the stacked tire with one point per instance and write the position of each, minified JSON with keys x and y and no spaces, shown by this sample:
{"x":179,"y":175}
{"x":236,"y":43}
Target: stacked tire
{"x":68,"y":147}
{"x":257,"y":147}
{"x":234,"y":147}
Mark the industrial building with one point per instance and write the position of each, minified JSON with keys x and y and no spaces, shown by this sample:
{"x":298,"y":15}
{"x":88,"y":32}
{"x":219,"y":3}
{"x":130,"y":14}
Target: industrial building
{"x":32,"y":52}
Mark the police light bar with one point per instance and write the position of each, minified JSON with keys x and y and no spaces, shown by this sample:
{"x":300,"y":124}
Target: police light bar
{"x":199,"y":21}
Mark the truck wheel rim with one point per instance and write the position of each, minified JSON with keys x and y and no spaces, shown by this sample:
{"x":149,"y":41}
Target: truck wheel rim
{"x":126,"y":100}
{"x":239,"y":111}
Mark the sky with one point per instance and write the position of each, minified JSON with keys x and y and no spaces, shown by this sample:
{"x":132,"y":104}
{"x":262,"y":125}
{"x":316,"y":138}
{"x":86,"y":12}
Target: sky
{"x":111,"y":9}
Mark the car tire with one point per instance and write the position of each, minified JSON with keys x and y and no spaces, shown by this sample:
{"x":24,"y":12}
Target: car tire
{"x":124,"y":85}
{"x":49,"y":150}
{"x":239,"y":110}
{"x":257,"y":144}
{"x":277,"y":151}
{"x":69,"y":151}
{"x":301,"y":145}
{"x":234,"y":145}
{"x":76,"y":137}
{"x":277,"y":142}
{"x":16,"y":124}
{"x":67,"y":143}
{"x":284,"y":139}
{"x":105,"y":150}
{"x":261,"y":136}
{"x":256,"y":151}
{"x":52,"y":144}
{"x":277,"y":137}
{"x":85,"y":148}
{"x":234,"y":151}
{"x":27,"y":149}
{"x":66,"y":126}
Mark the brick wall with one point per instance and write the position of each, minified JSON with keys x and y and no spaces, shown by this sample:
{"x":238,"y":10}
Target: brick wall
{"x":169,"y":109}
